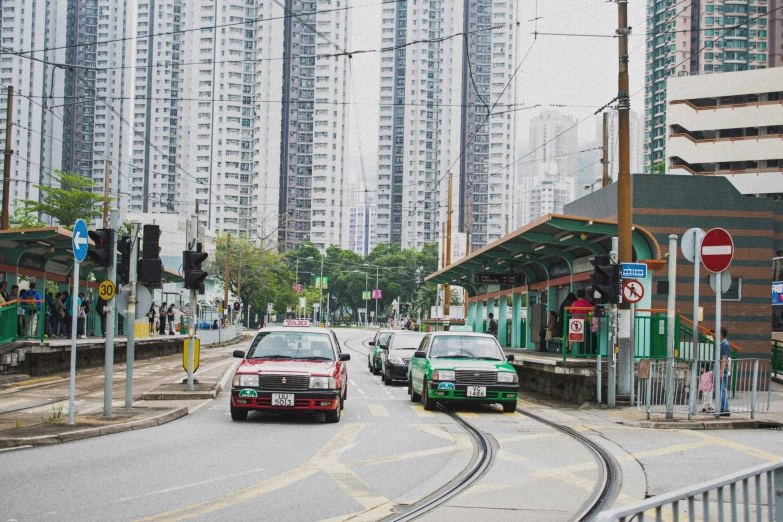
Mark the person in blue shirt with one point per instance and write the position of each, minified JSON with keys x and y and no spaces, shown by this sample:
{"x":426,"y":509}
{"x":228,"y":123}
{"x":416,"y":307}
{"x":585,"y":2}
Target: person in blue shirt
{"x":725,"y":355}
{"x":33,"y":309}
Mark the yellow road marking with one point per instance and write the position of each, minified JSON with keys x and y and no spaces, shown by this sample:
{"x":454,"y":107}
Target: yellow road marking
{"x":420,"y":411}
{"x":668,"y":450}
{"x":378,"y":410}
{"x":30,"y":382}
{"x":469,"y":414}
{"x":736,"y":446}
{"x":321,"y":461}
{"x":459,"y":442}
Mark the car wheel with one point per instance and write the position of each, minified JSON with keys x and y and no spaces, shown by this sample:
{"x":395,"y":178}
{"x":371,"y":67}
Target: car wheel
{"x":238,"y":414}
{"x":387,"y":378}
{"x":426,"y":401}
{"x":415,"y":397}
{"x":335,"y":414}
{"x":375,"y":371}
{"x":510,"y":407}
{"x":369,"y":365}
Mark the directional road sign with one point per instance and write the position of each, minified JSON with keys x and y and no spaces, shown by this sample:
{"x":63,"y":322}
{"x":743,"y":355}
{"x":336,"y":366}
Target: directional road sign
{"x":725,"y":281}
{"x":79,"y":240}
{"x":717,"y":250}
{"x":691,"y":241}
{"x":633,"y":291}
{"x":633,"y":271}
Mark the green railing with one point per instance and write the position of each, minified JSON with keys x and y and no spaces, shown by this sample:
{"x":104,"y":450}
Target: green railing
{"x":8,"y":313}
{"x":777,"y":357}
{"x":522,"y":336}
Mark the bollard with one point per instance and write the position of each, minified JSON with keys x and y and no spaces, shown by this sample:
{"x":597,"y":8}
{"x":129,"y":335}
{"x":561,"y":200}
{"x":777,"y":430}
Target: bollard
{"x":755,"y":387}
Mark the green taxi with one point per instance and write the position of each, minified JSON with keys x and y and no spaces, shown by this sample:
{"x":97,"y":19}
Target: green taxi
{"x":462,"y":366}
{"x":374,"y":361}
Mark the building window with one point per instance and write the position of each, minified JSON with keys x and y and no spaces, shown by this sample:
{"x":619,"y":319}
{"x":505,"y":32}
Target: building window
{"x":734,"y":293}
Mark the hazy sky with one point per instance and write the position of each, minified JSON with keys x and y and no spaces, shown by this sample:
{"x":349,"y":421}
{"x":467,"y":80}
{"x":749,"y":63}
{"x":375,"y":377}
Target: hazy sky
{"x":562,"y":70}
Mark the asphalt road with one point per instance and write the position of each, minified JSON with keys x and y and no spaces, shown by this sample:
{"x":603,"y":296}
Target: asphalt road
{"x":385,"y":454}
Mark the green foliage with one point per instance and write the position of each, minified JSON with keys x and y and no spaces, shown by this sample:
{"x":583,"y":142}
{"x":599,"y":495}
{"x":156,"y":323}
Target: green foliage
{"x":658,"y":168}
{"x":21,"y":219}
{"x":400,"y":275}
{"x":68,"y":199}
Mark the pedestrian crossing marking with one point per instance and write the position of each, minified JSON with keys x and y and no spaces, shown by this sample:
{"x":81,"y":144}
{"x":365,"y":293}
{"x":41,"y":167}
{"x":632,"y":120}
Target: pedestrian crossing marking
{"x":421,"y":412}
{"x":378,"y":410}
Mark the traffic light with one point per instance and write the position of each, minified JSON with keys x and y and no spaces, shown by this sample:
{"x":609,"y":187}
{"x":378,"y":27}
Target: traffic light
{"x":606,"y":280}
{"x":123,"y":267}
{"x":150,"y":267}
{"x":194,"y":276}
{"x":102,"y":253}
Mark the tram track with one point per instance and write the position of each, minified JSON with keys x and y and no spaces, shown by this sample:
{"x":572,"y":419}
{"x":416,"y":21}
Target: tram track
{"x":604,"y":493}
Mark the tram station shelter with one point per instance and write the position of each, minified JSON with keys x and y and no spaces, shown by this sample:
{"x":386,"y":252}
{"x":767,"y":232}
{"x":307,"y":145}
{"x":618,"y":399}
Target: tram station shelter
{"x":548,"y":258}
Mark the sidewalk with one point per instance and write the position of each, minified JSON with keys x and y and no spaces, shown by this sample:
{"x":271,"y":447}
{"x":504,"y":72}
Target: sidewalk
{"x":35,"y":411}
{"x":632,"y":416}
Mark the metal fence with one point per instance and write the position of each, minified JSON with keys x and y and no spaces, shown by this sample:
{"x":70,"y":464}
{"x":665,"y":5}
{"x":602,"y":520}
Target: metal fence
{"x":754,"y":494}
{"x":748,"y":386}
{"x":216,"y":336}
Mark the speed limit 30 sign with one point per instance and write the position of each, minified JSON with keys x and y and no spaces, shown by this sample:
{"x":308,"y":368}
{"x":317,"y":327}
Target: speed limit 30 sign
{"x":106,"y":290}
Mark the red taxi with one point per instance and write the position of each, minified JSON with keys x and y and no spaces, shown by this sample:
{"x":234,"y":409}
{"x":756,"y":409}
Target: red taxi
{"x":293,"y":367}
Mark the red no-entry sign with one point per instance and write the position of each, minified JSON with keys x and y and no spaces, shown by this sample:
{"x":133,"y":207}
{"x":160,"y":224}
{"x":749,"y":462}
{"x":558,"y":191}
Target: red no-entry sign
{"x":717,"y":250}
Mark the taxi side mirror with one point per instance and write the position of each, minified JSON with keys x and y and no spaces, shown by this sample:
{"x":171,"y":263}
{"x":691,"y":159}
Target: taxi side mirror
{"x":420,"y":354}
{"x":372,"y":343}
{"x":384,"y":346}
{"x":239,"y":354}
{"x":510,"y":357}
{"x":345,"y":357}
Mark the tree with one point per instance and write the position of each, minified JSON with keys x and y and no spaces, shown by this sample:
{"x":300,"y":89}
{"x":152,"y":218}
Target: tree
{"x":658,"y":168}
{"x":68,"y":199}
{"x":20,"y":219}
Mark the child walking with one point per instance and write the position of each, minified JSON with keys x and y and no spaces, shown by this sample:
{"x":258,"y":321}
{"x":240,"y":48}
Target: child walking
{"x":705,"y":387}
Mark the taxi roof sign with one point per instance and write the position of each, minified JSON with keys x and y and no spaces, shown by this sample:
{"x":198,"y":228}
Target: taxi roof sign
{"x":296,"y":322}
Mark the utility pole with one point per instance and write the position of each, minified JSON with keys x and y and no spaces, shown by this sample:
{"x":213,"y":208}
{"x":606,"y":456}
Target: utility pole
{"x":239,"y":286}
{"x":624,"y":194}
{"x":226,"y":279}
{"x":108,"y":381}
{"x":321,"y":292}
{"x":467,"y":229}
{"x":192,"y":314}
{"x":130,"y":316}
{"x":605,"y":159}
{"x":9,"y":116}
{"x":376,"y":299}
{"x":106,"y":198}
{"x":447,"y":287}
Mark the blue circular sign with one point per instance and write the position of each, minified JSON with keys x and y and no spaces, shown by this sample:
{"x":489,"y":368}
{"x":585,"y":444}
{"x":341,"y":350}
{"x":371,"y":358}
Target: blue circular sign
{"x":79,"y":240}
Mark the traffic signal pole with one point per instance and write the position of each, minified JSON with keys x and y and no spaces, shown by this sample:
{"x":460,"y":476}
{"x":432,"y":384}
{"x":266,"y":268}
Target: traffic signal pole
{"x":130,"y":315}
{"x":192,"y":316}
{"x":108,"y":382}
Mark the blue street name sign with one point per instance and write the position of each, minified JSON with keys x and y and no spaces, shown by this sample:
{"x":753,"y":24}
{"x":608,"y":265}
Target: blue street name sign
{"x":633,"y":270}
{"x":79,"y":240}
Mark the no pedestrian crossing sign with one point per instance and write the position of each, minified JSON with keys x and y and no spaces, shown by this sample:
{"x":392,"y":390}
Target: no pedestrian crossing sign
{"x":633,"y":291}
{"x":717,"y":250}
{"x":576,"y":329}
{"x":79,"y":240}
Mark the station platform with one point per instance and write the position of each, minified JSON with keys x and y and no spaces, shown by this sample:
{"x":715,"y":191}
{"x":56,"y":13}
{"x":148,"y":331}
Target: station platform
{"x":574,"y":379}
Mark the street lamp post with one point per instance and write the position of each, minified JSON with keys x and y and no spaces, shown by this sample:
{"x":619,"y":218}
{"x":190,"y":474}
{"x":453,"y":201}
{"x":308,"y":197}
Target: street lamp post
{"x":591,"y":186}
{"x":321,"y":291}
{"x":296,"y":284}
{"x":366,"y":304}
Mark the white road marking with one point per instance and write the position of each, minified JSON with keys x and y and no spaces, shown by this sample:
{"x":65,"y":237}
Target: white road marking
{"x":14,"y":449}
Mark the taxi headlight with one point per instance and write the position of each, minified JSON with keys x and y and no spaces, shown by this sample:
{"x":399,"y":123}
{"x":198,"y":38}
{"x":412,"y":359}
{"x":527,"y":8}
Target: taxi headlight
{"x":323,"y":383}
{"x":396,"y":360}
{"x":508,"y":377}
{"x":246,"y":379}
{"x":443,"y":375}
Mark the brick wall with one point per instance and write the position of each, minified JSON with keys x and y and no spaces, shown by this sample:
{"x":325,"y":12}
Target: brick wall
{"x":671,"y":205}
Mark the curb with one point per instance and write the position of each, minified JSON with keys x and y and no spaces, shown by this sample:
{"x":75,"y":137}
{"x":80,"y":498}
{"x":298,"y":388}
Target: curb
{"x":181,"y":395}
{"x":43,"y":440}
{"x":667,"y":425}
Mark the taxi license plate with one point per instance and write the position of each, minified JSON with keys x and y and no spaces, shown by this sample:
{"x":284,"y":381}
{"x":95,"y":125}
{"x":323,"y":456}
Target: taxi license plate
{"x":283,"y":399}
{"x":477,"y":391}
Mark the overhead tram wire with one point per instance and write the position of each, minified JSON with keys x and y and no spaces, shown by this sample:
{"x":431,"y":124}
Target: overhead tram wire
{"x":200,"y":28}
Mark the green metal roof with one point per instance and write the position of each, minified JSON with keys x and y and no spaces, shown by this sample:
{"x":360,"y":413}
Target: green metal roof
{"x":532,"y":249}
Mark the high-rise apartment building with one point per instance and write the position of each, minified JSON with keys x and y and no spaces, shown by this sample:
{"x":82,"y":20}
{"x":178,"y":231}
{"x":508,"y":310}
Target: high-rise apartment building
{"x":314,"y":114}
{"x":156,"y":182}
{"x":61,"y":117}
{"x":486,"y":180}
{"x":705,"y":37}
{"x":418,"y":135}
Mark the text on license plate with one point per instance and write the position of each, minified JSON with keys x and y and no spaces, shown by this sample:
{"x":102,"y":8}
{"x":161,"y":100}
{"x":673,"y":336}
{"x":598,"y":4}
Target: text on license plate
{"x":477,"y":391}
{"x":283,"y":399}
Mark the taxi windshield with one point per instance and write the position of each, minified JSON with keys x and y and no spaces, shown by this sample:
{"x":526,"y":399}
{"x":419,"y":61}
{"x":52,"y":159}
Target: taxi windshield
{"x":291,"y":345}
{"x":384,"y":338}
{"x":406,"y":341}
{"x":465,"y":347}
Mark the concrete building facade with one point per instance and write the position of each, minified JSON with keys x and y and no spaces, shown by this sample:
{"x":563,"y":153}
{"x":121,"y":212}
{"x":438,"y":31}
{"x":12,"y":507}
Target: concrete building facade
{"x":732,"y":128}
